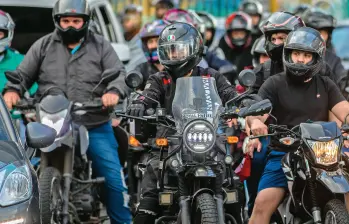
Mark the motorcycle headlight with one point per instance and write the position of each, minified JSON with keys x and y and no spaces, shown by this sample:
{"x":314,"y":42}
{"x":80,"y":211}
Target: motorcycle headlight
{"x":16,"y":187}
{"x":199,"y":136}
{"x":326,"y":153}
{"x":55,"y":121}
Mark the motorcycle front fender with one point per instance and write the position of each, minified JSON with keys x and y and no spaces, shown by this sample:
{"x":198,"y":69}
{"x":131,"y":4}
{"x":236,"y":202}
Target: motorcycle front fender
{"x":333,"y":181}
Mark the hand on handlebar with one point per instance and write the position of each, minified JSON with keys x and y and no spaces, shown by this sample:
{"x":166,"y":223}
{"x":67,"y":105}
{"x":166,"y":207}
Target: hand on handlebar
{"x":11,"y":98}
{"x":258,"y":128}
{"x":110,"y":99}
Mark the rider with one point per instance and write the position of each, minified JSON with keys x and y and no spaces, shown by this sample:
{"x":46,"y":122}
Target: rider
{"x":161,"y":7}
{"x":312,"y":97}
{"x":132,"y":23}
{"x":237,"y":41}
{"x":275,"y":30}
{"x":255,"y":10}
{"x":325,"y":24}
{"x":10,"y":59}
{"x":180,"y":50}
{"x":75,"y":59}
{"x":150,"y":36}
{"x":210,"y":32}
{"x":258,"y":52}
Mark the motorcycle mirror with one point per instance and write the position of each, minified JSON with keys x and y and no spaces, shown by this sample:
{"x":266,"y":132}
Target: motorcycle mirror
{"x":13,"y":77}
{"x":247,"y":78}
{"x":260,"y":108}
{"x":39,"y":135}
{"x":134,"y":79}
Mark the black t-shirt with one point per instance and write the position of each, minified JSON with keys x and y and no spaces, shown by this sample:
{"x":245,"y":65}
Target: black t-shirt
{"x":294,"y":104}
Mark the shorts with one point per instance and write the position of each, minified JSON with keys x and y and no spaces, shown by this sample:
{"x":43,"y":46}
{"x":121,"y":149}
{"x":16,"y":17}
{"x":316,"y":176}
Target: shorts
{"x":273,"y":175}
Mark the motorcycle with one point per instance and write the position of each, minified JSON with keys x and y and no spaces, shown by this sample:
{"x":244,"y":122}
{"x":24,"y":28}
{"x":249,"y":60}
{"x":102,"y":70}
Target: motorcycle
{"x":68,"y":191}
{"x":314,"y":171}
{"x":195,"y":152}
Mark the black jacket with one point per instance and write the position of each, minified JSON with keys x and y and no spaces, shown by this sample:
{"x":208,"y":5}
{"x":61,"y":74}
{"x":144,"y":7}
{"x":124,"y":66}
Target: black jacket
{"x":147,"y":69}
{"x":50,"y":63}
{"x":335,"y":63}
{"x":162,"y":87}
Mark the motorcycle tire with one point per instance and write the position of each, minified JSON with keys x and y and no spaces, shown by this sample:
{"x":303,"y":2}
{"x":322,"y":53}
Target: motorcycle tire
{"x":51,"y":202}
{"x":335,"y":212}
{"x":206,"y":209}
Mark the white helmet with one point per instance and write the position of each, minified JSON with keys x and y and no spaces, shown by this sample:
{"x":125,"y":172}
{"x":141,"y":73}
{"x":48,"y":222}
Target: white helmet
{"x":8,"y":26}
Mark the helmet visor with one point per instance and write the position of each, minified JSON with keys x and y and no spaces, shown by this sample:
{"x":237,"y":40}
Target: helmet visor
{"x":176,"y":52}
{"x":306,"y":41}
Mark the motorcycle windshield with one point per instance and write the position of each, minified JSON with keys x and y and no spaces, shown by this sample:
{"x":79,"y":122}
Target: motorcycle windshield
{"x":196,"y":98}
{"x":320,"y":131}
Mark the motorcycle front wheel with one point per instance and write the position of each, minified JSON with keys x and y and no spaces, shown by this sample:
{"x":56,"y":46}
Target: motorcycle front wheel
{"x":51,"y":198}
{"x":335,"y":213}
{"x":206,"y":210}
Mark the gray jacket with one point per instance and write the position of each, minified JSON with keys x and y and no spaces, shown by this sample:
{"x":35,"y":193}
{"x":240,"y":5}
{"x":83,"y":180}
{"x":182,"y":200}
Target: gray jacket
{"x":50,"y":63}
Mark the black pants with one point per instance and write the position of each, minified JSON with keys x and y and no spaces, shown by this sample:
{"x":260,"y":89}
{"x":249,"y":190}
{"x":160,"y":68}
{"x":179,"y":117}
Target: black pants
{"x":149,"y":208}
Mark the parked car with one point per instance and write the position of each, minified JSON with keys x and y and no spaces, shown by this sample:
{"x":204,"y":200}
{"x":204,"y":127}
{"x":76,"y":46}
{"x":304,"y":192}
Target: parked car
{"x":34,"y":19}
{"x":19,"y":191}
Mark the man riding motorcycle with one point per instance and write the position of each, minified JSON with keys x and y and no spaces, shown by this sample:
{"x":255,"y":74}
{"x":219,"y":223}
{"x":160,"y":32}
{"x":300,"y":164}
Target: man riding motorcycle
{"x":10,"y":59}
{"x":255,"y":10}
{"x":75,"y":59}
{"x":150,"y":36}
{"x":299,"y":94}
{"x":180,"y":50}
{"x":237,"y":41}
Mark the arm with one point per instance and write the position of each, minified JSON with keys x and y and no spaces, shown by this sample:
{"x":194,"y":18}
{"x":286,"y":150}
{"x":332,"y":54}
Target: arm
{"x":111,"y":64}
{"x":337,"y":103}
{"x":153,"y":89}
{"x":225,"y":90}
{"x":28,"y":68}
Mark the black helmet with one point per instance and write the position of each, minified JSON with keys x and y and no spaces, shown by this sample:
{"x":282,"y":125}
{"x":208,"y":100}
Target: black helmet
{"x":309,"y":40}
{"x":257,"y":50}
{"x":300,"y":9}
{"x":180,"y":48}
{"x":278,"y":22}
{"x":163,"y":3}
{"x":210,"y":24}
{"x":75,"y":8}
{"x":238,"y":21}
{"x":253,"y":8}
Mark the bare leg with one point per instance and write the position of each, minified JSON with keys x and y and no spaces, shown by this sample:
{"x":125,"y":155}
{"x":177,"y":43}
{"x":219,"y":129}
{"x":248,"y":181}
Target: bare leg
{"x":266,"y":204}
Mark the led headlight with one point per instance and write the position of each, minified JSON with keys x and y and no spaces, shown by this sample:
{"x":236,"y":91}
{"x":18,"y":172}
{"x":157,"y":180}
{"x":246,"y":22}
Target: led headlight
{"x":199,"y":136}
{"x":326,"y":153}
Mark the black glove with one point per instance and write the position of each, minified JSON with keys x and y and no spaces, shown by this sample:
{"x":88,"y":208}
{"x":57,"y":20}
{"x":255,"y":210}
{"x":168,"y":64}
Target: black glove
{"x":136,"y":109}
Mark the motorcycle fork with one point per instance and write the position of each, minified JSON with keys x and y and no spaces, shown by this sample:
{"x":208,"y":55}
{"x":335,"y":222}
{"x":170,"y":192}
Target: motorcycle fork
{"x":219,"y":197}
{"x":67,"y":177}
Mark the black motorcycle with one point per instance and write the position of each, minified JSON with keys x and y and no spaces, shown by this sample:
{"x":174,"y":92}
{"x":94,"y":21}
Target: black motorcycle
{"x":314,"y":169}
{"x":194,"y":162}
{"x":68,"y":191}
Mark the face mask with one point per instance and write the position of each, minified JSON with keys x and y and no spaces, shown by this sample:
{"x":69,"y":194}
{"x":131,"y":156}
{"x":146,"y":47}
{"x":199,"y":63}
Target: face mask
{"x":152,"y":55}
{"x":274,"y":51}
{"x":238,"y":41}
{"x":72,"y":35}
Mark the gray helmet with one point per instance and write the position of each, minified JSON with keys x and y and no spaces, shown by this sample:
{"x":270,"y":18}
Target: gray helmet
{"x":7,"y":26}
{"x":257,"y":50}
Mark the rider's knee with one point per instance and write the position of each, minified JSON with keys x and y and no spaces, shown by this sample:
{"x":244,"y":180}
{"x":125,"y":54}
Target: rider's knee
{"x":261,"y":204}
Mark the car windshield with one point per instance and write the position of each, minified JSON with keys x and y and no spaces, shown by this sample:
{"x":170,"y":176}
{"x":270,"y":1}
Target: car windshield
{"x":196,"y":98}
{"x":340,"y":42}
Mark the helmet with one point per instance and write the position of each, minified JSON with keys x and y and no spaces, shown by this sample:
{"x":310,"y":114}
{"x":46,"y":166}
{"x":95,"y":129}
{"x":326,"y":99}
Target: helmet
{"x":319,"y":19}
{"x":278,"y":22}
{"x":210,"y":24}
{"x":257,"y":50}
{"x":7,"y":26}
{"x":180,"y":48}
{"x":150,"y":30}
{"x":75,"y":8}
{"x":252,"y":8}
{"x":238,"y":21}
{"x":304,"y":39}
{"x":300,"y":9}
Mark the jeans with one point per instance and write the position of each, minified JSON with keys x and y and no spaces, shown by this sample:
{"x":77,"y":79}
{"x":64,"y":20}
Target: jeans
{"x":105,"y":163}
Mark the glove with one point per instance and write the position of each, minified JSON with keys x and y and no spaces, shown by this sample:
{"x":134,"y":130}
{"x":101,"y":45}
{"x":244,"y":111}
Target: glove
{"x":136,"y":109}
